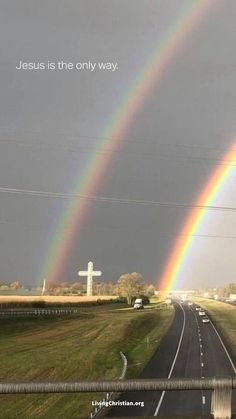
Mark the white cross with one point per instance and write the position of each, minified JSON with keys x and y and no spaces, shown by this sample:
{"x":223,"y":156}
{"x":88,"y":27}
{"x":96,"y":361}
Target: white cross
{"x":90,"y":273}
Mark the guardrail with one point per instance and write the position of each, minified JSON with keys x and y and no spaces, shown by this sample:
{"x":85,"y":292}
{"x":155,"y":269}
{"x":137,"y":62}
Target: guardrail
{"x":98,"y":410}
{"x":116,"y":385}
{"x":37,"y":312}
{"x":125,"y":364}
{"x":221,"y":399}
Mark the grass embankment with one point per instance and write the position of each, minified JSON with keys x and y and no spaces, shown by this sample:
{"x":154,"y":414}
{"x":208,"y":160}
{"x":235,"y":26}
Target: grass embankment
{"x":83,"y":347}
{"x":223,"y":316}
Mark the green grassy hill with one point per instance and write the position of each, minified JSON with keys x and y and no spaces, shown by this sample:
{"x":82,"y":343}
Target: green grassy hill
{"x":85,"y":346}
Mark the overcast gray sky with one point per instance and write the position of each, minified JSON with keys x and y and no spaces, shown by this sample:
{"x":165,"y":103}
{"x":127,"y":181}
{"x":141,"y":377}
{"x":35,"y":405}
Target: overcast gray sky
{"x":49,"y":123}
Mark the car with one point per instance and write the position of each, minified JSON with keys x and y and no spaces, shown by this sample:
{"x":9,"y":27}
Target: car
{"x":205,"y":320}
{"x":190,"y":303}
{"x":197,"y":308}
{"x":201,"y":313}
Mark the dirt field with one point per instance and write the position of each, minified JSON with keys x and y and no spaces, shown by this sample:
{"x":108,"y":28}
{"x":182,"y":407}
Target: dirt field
{"x":52,"y":298}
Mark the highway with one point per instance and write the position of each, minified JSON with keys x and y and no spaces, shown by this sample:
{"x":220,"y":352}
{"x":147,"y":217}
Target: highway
{"x":189,"y":349}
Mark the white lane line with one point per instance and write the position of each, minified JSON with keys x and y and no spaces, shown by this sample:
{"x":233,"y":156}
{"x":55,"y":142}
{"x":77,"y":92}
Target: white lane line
{"x":201,"y":363}
{"x":173,"y":364}
{"x":223,"y":345}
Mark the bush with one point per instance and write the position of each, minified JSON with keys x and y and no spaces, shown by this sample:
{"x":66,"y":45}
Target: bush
{"x":121,"y":300}
{"x":99,"y":301}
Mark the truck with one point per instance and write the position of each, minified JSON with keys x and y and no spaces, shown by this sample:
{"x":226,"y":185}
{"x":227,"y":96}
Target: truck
{"x":138,"y":304}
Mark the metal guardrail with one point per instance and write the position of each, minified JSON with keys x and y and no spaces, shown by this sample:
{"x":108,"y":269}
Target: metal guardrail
{"x":109,"y":395}
{"x":221,"y":396}
{"x":117,"y":385}
{"x":125,"y":364}
{"x":37,"y":312}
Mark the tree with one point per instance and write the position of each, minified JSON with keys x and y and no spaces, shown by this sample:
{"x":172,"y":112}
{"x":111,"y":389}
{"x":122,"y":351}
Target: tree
{"x":150,"y":290}
{"x":65,"y":285}
{"x":77,"y":286}
{"x":53,"y":287}
{"x":110,"y":289}
{"x":129,"y":285}
{"x":230,"y":289}
{"x":16,"y":285}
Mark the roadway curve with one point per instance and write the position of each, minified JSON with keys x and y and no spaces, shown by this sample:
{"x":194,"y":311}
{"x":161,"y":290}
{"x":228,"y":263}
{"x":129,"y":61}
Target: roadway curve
{"x":189,"y":349}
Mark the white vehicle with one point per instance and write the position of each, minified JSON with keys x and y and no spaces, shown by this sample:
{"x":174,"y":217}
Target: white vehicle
{"x":202,"y":313}
{"x":205,"y":320}
{"x":197,"y":309}
{"x":190,"y":303}
{"x":138,"y":304}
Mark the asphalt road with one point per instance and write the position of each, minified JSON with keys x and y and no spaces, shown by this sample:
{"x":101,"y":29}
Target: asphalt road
{"x":190,"y":349}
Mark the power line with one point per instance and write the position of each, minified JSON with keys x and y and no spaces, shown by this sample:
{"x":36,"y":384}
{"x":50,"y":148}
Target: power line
{"x":122,"y":152}
{"x":38,"y":144}
{"x":113,"y":200}
{"x":39,"y":227}
{"x":125,"y":139}
{"x":95,"y":150}
{"x":200,"y":146}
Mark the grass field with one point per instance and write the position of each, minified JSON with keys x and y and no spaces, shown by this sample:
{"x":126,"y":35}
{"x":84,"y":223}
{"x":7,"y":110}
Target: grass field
{"x":223,"y":316}
{"x":83,"y":347}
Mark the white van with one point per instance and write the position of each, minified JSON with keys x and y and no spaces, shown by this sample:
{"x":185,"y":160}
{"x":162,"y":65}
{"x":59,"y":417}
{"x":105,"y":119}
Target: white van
{"x":138,"y":304}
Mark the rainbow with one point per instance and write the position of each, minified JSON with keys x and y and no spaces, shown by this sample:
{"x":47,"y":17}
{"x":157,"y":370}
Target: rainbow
{"x":194,"y":220}
{"x":148,"y":78}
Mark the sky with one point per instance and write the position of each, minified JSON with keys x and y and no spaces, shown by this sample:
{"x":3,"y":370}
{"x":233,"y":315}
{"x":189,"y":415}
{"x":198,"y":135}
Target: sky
{"x":50,"y":121}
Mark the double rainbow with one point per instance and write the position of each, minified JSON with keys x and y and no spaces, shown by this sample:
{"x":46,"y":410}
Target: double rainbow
{"x":147,"y":79}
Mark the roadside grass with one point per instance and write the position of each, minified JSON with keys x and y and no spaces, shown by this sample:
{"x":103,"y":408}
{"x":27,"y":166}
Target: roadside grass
{"x":84,"y":346}
{"x":223,"y":316}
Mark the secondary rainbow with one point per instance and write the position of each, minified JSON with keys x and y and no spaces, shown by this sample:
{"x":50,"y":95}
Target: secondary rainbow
{"x":181,"y":248}
{"x":148,"y":78}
